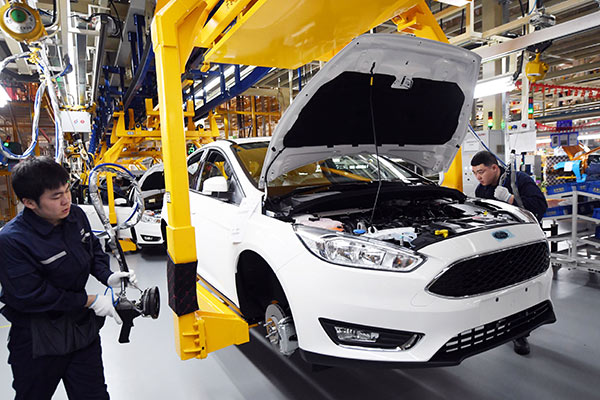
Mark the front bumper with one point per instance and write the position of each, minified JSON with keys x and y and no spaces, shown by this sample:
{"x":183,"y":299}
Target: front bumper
{"x":464,"y":345}
{"x":148,"y":234}
{"x":398,"y":301}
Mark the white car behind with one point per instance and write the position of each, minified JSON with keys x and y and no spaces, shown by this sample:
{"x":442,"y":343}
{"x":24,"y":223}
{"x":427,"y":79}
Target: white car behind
{"x":145,"y":233}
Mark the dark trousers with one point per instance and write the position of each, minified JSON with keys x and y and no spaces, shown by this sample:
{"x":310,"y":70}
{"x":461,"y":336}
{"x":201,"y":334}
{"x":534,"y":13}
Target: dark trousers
{"x":82,"y":372}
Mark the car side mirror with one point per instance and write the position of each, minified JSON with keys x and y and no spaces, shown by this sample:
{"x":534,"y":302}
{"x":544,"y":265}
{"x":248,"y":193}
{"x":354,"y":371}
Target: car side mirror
{"x":215,"y":186}
{"x":192,"y":169}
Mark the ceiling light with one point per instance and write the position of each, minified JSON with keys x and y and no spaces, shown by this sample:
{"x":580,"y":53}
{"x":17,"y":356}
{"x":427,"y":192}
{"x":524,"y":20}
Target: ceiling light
{"x":589,"y":137}
{"x":497,"y":85}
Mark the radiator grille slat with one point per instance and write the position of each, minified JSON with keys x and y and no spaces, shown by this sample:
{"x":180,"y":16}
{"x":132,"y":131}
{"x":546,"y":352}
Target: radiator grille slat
{"x":484,"y":337}
{"x":493,"y":271}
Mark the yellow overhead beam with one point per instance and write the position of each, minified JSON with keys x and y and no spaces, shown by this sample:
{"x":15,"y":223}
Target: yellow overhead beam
{"x":289,"y":34}
{"x":420,"y":21}
{"x":125,"y":142}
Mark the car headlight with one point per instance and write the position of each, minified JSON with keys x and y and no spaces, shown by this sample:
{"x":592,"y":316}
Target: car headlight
{"x":526,"y":216}
{"x":356,"y":252}
{"x":151,"y":217}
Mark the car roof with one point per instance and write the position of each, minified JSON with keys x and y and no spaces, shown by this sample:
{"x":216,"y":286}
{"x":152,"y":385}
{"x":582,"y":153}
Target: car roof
{"x":251,"y":139}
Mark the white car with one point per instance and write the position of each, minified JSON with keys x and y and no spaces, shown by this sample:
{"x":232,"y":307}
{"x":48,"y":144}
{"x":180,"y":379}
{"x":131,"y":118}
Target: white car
{"x":346,"y":255}
{"x":145,"y":233}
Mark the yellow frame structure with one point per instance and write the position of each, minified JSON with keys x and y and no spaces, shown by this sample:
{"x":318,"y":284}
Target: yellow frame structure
{"x":181,"y":25}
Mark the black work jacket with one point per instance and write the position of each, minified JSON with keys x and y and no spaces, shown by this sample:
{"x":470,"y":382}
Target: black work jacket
{"x":532,"y":197}
{"x":44,"y":268}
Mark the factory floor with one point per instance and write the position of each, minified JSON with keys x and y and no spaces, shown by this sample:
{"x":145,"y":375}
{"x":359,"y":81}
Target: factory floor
{"x":564,"y":362}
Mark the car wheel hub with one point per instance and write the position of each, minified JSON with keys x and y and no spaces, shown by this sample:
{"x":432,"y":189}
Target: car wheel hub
{"x":280,"y":330}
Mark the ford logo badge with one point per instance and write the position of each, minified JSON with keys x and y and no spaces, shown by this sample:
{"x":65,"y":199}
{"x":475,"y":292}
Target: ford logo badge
{"x":500,"y":235}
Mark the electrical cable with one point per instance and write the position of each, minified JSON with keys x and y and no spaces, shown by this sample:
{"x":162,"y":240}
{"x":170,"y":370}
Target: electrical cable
{"x":519,"y":68}
{"x":121,"y":171}
{"x":112,"y":3}
{"x":39,"y":58}
{"x":513,"y":181}
{"x":34,"y":130}
{"x":508,"y":172}
{"x":53,"y":21}
{"x":112,"y":295}
{"x":539,"y":4}
{"x":45,"y":13}
{"x":375,"y":141}
{"x":138,"y":209}
{"x":522,"y":9}
{"x":43,"y":64}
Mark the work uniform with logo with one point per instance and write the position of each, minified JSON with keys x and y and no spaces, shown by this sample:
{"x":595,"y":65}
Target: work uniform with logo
{"x":53,"y":336}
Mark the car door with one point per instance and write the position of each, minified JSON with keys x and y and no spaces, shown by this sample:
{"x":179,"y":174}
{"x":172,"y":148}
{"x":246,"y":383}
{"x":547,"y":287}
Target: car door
{"x":214,"y":220}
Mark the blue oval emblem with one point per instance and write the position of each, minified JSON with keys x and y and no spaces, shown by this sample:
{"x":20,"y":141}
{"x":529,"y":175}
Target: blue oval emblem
{"x":500,"y":235}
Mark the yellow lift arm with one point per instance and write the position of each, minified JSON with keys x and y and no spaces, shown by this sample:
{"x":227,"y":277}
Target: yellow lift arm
{"x":269,"y":33}
{"x":127,"y":140}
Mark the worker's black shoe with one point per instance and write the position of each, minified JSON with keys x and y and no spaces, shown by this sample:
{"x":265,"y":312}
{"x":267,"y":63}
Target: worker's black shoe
{"x":521,"y":346}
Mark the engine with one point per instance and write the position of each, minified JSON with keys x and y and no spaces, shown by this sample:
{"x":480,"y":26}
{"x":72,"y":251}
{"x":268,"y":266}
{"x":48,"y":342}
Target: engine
{"x":412,"y":224}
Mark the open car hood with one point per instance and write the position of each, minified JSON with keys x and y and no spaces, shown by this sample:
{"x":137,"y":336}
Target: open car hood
{"x":421,"y":97}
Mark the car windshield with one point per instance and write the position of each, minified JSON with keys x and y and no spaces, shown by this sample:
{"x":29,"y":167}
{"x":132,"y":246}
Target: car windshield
{"x":353,"y":168}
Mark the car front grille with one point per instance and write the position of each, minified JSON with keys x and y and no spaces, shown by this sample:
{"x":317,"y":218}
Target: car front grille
{"x":490,"y":335}
{"x":492,"y":271}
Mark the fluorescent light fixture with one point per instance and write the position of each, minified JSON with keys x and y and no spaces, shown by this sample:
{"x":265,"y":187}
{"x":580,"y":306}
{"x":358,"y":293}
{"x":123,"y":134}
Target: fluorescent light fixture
{"x":543,"y":141}
{"x":589,"y":137}
{"x":490,"y":87}
{"x":455,"y":3}
{"x":4,"y":98}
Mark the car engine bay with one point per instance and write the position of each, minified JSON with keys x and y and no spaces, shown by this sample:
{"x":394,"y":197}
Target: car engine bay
{"x":409,"y":218}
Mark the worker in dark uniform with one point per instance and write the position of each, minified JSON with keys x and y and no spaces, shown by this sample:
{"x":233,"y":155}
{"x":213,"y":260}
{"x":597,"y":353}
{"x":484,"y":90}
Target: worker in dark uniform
{"x":47,"y":253}
{"x":488,"y":173}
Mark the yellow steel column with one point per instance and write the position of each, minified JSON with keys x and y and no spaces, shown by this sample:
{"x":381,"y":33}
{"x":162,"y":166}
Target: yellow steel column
{"x":181,"y":242}
{"x":165,"y":26}
{"x":453,"y":177}
{"x":173,"y":30}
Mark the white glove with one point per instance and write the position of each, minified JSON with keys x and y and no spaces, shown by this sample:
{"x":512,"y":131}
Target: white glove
{"x":103,"y":307}
{"x":114,"y":280}
{"x":501,"y":193}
